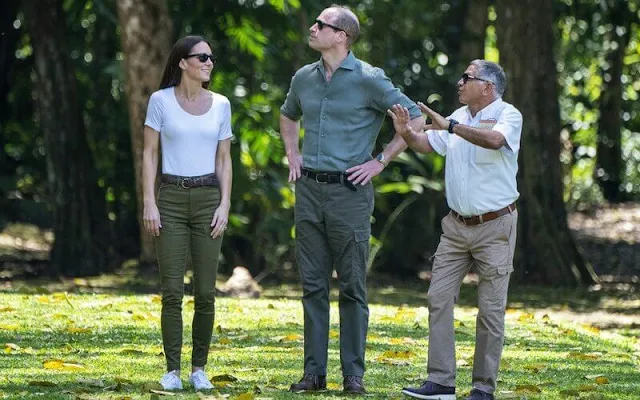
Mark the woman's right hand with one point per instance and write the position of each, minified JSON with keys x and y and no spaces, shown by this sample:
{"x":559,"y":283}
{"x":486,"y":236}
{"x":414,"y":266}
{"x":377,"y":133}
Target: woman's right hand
{"x":151,"y":219}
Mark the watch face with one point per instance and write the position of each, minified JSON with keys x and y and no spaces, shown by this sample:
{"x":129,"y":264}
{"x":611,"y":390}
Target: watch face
{"x":380,"y":157}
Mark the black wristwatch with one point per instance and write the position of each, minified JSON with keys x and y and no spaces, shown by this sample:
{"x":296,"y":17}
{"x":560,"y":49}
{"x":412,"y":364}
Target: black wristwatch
{"x":452,"y":123}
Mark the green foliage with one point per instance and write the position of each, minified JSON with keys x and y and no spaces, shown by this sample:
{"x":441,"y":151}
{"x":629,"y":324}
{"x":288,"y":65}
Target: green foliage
{"x":260,"y":44}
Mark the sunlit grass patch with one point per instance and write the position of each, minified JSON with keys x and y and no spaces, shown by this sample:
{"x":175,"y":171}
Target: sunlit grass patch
{"x":100,"y":346}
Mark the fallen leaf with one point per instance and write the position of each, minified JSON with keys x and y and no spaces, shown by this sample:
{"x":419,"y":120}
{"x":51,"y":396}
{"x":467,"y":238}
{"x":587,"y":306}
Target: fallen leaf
{"x":91,"y":382}
{"x":592,"y":329}
{"x":526,"y":317}
{"x":224,"y":341}
{"x":583,"y":356}
{"x":9,"y":327}
{"x":245,"y":396}
{"x":224,"y":378}
{"x":523,"y":389}
{"x":333,"y":334}
{"x":7,"y":309}
{"x":587,"y":388}
{"x":75,"y":329}
{"x":535,"y":368}
{"x":162,"y":393}
{"x":602,"y":380}
{"x":157,"y":299}
{"x":59,"y":364}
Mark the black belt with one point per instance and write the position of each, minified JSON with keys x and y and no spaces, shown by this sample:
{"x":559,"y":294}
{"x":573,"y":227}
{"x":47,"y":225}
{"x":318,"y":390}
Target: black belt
{"x":329,"y":177}
{"x":187,"y":182}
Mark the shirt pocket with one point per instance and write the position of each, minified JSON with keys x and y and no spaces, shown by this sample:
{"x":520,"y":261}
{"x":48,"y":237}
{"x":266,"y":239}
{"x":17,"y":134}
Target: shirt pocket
{"x":486,"y":156}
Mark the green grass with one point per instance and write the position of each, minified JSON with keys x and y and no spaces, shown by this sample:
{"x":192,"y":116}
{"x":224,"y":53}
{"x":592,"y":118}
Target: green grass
{"x":114,"y":340}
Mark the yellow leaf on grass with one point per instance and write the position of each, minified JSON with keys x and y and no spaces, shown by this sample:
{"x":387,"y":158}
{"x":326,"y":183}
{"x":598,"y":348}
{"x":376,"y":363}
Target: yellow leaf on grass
{"x":245,"y":396}
{"x":398,"y":354}
{"x":9,"y":327}
{"x":535,"y":368}
{"x":7,"y":309}
{"x":546,"y":317}
{"x":587,"y":388}
{"x":60,"y":316}
{"x":60,"y":364}
{"x":526,"y":317}
{"x":157,"y":299}
{"x":53,"y":364}
{"x":11,"y":347}
{"x":457,"y":323}
{"x":224,"y":341}
{"x":75,"y":329}
{"x":333,"y":334}
{"x":291,"y":338}
{"x":569,"y":332}
{"x":139,"y":317}
{"x":523,"y":389}
{"x":271,"y":307}
{"x":592,"y":329}
{"x":602,"y":380}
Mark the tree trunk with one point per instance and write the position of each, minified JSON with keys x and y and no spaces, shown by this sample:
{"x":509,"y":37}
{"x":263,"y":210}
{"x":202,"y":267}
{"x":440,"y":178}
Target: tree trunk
{"x":473,"y":35}
{"x":70,"y":169}
{"x":609,"y":165}
{"x":146,"y":40}
{"x":547,"y":252}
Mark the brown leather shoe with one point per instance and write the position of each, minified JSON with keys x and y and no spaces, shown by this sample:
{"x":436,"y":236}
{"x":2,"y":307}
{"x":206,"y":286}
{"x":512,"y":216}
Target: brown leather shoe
{"x":310,"y":383}
{"x":353,"y":385}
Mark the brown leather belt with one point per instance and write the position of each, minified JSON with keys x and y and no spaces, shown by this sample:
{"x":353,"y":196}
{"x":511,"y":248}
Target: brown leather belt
{"x":479,"y":219}
{"x":187,"y":182}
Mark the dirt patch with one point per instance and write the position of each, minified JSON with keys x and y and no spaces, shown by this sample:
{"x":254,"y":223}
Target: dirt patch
{"x":609,"y":237}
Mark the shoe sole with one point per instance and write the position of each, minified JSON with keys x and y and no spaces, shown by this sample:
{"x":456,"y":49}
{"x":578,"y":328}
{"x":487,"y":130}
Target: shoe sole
{"x":430,"y":397}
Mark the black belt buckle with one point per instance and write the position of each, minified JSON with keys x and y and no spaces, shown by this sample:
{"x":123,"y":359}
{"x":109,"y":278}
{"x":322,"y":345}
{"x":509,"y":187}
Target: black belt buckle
{"x":326,"y":176}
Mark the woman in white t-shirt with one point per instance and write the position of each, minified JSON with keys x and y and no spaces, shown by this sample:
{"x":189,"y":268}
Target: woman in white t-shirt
{"x":193,"y":126}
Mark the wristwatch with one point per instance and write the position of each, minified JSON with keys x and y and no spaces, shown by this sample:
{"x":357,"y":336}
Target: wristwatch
{"x":452,"y":123}
{"x":381,"y":159}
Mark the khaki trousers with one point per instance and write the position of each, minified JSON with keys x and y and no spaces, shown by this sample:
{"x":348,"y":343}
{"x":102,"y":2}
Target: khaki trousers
{"x":489,"y":247}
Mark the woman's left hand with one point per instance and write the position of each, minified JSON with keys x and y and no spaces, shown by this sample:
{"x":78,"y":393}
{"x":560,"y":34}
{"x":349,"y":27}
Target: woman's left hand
{"x":219,"y":221}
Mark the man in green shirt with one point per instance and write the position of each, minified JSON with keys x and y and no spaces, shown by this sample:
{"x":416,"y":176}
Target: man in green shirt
{"x":342,"y":102}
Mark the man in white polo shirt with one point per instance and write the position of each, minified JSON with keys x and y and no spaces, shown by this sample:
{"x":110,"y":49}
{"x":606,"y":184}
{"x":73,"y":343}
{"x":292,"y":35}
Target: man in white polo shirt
{"x":481,"y":142}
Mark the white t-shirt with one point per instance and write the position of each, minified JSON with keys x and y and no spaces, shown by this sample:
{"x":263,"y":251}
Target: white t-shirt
{"x":189,"y":142}
{"x":479,"y":180}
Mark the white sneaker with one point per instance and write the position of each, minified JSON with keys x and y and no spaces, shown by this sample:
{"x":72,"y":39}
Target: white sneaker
{"x":171,"y":381}
{"x":199,"y":381}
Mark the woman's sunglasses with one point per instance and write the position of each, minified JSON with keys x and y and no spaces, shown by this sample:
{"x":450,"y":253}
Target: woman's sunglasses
{"x":321,"y":26}
{"x":203,"y":57}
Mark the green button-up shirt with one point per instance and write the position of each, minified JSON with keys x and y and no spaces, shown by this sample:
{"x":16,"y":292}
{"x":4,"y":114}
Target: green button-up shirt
{"x":341,"y":117}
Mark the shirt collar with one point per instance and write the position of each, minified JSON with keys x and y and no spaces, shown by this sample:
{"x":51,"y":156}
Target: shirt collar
{"x":488,"y":111}
{"x":348,"y":63}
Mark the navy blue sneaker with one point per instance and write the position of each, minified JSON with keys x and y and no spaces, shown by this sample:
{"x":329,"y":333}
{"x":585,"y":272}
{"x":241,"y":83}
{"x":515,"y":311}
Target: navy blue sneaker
{"x":431,"y":391}
{"x":477,"y":394}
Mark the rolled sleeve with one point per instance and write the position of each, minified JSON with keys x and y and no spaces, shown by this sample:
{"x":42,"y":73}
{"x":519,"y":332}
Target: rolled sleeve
{"x":291,"y":107}
{"x":510,"y":126}
{"x":384,"y":95}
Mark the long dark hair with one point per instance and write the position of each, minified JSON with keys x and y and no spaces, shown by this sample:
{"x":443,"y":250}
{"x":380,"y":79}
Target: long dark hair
{"x":172,"y":72}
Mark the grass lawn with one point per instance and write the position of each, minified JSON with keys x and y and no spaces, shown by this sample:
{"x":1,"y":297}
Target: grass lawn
{"x":87,"y":345}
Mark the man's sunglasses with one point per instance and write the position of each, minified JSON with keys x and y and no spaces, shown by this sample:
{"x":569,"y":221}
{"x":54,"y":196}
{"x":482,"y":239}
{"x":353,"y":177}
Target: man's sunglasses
{"x":203,"y":57}
{"x":321,"y":26}
{"x":466,"y":78}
